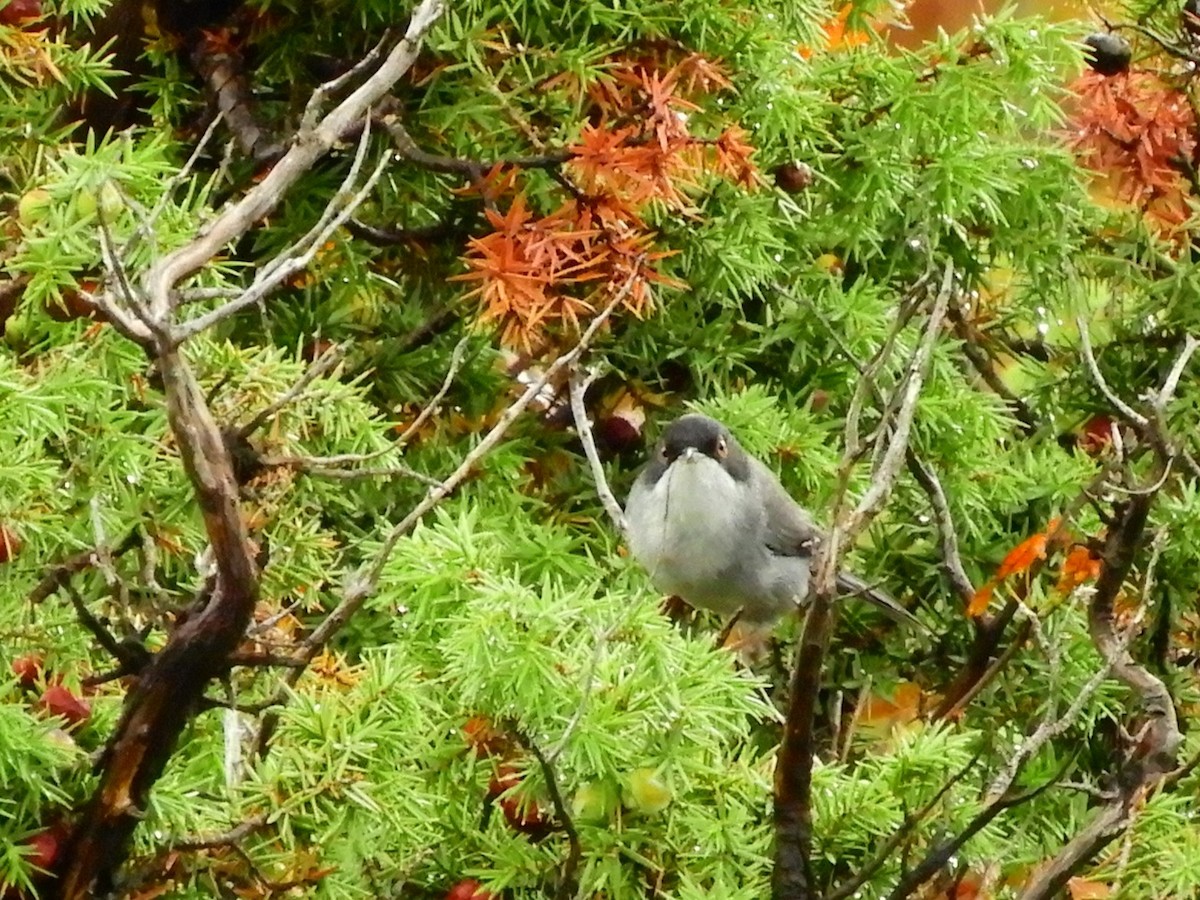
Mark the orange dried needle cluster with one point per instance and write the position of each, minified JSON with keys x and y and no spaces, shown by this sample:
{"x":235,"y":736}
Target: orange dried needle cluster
{"x":1132,"y":129}
{"x":535,"y":273}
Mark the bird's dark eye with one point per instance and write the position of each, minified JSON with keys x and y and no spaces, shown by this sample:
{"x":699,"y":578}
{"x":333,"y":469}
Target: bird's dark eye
{"x":722,"y":448}
{"x":662,"y":451}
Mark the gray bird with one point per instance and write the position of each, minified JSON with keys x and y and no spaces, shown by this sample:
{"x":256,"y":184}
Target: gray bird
{"x":713,"y":525}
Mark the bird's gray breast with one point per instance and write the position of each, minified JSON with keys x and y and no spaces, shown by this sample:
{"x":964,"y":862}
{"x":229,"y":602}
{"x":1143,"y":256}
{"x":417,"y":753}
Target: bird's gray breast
{"x":698,"y":533}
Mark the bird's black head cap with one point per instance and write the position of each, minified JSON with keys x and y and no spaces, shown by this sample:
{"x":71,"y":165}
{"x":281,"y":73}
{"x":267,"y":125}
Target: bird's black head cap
{"x":709,"y":437}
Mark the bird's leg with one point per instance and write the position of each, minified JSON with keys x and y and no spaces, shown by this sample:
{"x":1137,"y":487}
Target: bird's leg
{"x":749,"y":640}
{"x":725,"y":633}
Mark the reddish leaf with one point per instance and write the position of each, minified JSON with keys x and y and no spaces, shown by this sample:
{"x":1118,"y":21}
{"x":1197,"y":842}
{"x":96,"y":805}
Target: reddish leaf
{"x":983,"y":597}
{"x":1130,"y":129}
{"x":837,"y":35}
{"x":1080,"y":566}
{"x":58,"y":701}
{"x":1085,"y":889}
{"x":700,"y":75}
{"x":1021,"y":557}
{"x":883,"y":713}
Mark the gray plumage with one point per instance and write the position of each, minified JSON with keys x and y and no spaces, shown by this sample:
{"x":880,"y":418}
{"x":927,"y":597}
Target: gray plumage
{"x":713,"y":525}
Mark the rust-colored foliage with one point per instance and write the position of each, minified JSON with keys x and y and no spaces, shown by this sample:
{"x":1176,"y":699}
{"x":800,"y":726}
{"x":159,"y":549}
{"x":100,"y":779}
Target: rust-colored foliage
{"x":883,"y":713}
{"x":537,"y":273}
{"x":837,"y":35}
{"x":1019,"y":559}
{"x":1081,"y":888}
{"x":1136,"y":131}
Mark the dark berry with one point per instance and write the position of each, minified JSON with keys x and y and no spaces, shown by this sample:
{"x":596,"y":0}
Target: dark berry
{"x":793,"y":177}
{"x":1107,"y":53}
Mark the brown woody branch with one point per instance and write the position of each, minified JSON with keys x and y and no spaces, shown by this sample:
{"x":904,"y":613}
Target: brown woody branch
{"x":162,"y":701}
{"x":224,"y":839}
{"x":1162,"y":738}
{"x":983,"y":663}
{"x":223,"y":72}
{"x":297,"y":257}
{"x":793,"y":772}
{"x":171,"y":688}
{"x":309,"y":146}
{"x":60,"y":573}
{"x":1153,"y":759}
{"x":473,"y":169}
{"x":391,"y":237}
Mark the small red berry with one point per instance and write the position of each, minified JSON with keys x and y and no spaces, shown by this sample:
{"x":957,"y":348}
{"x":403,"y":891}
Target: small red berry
{"x":1096,"y":434}
{"x":28,"y":669}
{"x":43,"y":848}
{"x":619,"y":433}
{"x":483,"y":738}
{"x":793,"y":177}
{"x":18,"y":12}
{"x":469,"y":889}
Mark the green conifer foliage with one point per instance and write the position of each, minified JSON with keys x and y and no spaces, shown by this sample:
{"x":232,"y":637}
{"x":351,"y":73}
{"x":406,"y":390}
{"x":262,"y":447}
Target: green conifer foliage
{"x":744,"y":208}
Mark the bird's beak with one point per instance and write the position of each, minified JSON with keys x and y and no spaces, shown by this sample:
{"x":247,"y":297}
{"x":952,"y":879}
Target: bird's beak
{"x":690,"y":454}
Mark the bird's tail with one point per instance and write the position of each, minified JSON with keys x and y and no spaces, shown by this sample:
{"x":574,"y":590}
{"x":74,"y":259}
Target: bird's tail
{"x":853,"y":586}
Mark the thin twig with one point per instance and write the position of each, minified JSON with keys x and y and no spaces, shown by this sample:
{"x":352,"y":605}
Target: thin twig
{"x":319,"y":366}
{"x":940,"y":854}
{"x":363,"y":583}
{"x":577,"y":387}
{"x":987,"y":637}
{"x":860,"y":706}
{"x":566,"y":884}
{"x":792,"y":878}
{"x":1163,"y":395}
{"x":1049,"y":728}
{"x":951,"y":560}
{"x":473,"y":169}
{"x":316,"y":467}
{"x":223,"y":839}
{"x":1117,"y":403}
{"x":984,"y":364}
{"x":589,"y":677}
{"x":864,"y":874}
{"x":295,"y":259}
{"x":160,"y":205}
{"x":134,"y":326}
{"x":884,"y":477}
{"x":456,"y":361}
{"x":312,"y":109}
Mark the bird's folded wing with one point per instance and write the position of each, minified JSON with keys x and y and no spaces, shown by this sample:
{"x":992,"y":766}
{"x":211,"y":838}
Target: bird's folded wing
{"x":789,"y":530}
